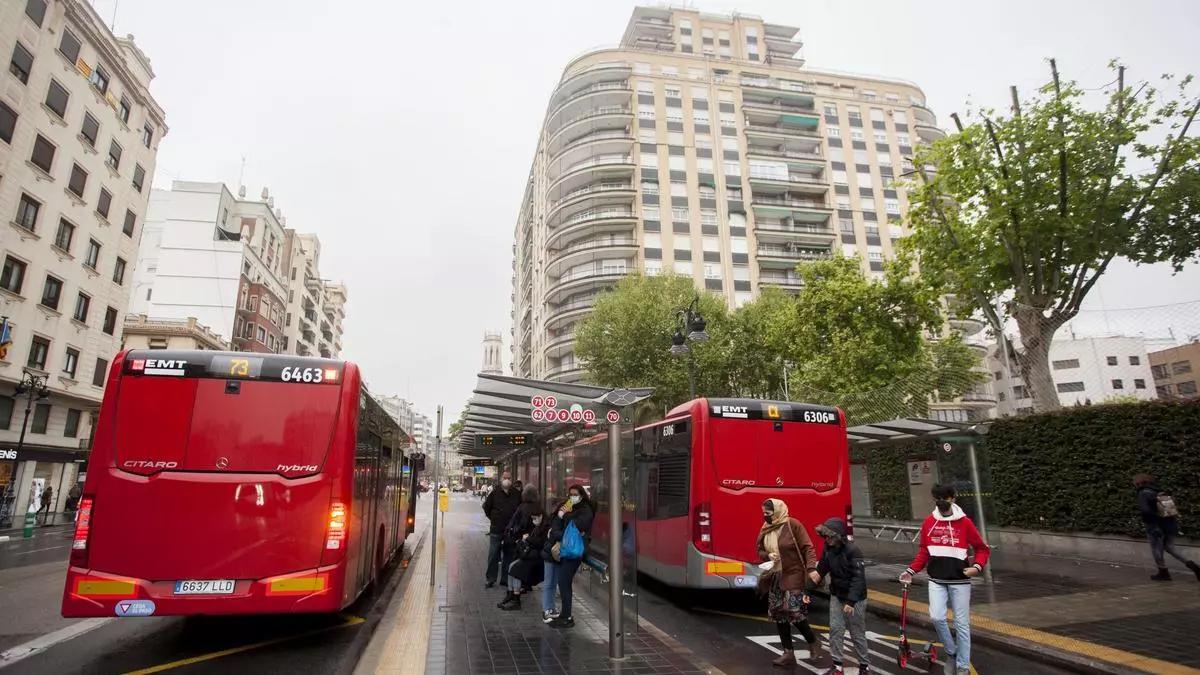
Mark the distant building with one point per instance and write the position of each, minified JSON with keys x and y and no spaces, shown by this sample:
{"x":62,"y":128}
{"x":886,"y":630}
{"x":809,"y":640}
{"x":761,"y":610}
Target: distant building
{"x":1175,"y":371}
{"x":492,"y":346}
{"x":1085,"y":370}
{"x":142,"y":333}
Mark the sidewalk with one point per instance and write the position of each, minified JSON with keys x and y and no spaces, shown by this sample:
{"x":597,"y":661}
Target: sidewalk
{"x":456,"y":628}
{"x":1111,"y":618}
{"x":57,"y":521}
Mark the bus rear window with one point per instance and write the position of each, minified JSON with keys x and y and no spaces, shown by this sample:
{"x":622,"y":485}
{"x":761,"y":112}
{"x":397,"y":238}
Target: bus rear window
{"x":766,"y":453}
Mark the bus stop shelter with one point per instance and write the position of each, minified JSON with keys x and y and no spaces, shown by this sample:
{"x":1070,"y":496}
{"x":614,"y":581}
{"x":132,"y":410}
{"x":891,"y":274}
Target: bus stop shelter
{"x":507,"y":414}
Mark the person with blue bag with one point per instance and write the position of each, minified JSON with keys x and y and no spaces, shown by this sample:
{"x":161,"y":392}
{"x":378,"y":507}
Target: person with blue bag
{"x":570,"y":533}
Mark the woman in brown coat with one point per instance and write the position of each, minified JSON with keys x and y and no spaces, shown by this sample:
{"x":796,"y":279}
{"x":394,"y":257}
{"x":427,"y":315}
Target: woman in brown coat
{"x":785,"y":542}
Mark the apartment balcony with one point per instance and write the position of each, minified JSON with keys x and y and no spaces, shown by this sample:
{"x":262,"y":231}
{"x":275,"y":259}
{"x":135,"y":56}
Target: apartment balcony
{"x":773,"y":131}
{"x":568,"y":373}
{"x":793,"y":233}
{"x":768,"y":182}
{"x":591,"y":223}
{"x":587,"y":99}
{"x":924,"y":115}
{"x":798,"y":210}
{"x":604,"y":168}
{"x":572,"y":310}
{"x":609,"y":246}
{"x":812,"y":155}
{"x":788,"y":256}
{"x":929,"y":133}
{"x":593,"y":144}
{"x":967,"y":325}
{"x":590,"y":196}
{"x":787,"y":282}
{"x":591,"y":278}
{"x":601,"y":73}
{"x":559,"y":343}
{"x":610,"y":117}
{"x":770,"y":89}
{"x":780,"y":40}
{"x":777,"y":115}
{"x":980,"y":396}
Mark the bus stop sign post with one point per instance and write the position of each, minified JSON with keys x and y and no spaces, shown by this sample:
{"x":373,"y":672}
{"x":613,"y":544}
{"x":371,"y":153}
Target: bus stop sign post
{"x":437,"y":461}
{"x":616,"y":587}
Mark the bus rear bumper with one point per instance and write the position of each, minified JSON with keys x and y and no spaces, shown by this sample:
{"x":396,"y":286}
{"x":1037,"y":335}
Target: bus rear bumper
{"x":91,"y":593}
{"x":710,"y":571}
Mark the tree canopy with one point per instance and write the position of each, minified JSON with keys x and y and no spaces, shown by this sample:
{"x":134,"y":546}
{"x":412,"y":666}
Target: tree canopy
{"x":1020,"y":214}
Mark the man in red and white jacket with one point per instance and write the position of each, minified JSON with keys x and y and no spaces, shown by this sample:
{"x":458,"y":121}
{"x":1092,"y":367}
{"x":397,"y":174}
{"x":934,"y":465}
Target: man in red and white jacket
{"x":946,"y":536}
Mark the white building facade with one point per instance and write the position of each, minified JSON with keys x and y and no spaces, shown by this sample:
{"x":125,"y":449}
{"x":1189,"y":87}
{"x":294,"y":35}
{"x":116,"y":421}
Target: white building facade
{"x":79,"y":135}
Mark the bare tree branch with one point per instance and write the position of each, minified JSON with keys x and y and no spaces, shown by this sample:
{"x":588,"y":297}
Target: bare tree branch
{"x":1062,"y":145}
{"x":1038,"y":269}
{"x":1162,"y":165}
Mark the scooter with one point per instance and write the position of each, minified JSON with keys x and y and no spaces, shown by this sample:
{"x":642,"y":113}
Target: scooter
{"x":904,"y":653}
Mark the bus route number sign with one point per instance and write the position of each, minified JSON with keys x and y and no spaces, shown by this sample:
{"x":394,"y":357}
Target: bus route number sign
{"x":545,"y":409}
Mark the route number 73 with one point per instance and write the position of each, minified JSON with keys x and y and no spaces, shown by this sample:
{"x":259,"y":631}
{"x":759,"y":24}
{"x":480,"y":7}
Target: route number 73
{"x":298,"y":374}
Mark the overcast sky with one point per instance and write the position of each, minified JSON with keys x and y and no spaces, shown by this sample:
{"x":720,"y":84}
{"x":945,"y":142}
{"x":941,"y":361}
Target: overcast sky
{"x":401,"y":132}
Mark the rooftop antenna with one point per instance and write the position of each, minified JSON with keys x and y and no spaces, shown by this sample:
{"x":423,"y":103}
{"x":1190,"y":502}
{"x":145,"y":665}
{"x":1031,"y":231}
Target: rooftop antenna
{"x":242,"y":171}
{"x":113,"y":26}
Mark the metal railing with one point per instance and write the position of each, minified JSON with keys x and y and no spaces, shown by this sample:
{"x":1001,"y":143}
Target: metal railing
{"x":783,"y":252}
{"x":599,"y":161}
{"x":775,"y":83}
{"x":596,"y":214}
{"x":589,"y":189}
{"x":596,"y":112}
{"x":789,"y":154}
{"x":781,"y":107}
{"x":788,"y":178}
{"x":576,"y":275}
{"x":794,"y":203}
{"x":605,"y":242}
{"x":782,"y":281}
{"x":588,"y":138}
{"x":588,"y":91}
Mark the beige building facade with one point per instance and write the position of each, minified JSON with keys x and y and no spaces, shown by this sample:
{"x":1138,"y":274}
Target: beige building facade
{"x":79,"y":134}
{"x":1176,"y":371}
{"x":702,"y":146}
{"x":141,"y":332}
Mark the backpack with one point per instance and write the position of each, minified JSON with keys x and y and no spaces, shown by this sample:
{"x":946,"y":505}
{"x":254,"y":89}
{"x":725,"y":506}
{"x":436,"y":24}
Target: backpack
{"x":572,"y":543}
{"x":1166,"y":506}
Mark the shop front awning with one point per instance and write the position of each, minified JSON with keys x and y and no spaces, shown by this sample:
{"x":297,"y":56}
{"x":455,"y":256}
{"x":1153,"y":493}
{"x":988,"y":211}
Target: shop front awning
{"x":506,"y":413}
{"x":909,"y":429}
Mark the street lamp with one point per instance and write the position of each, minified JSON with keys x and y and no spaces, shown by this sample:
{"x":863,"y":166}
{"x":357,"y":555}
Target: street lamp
{"x":33,"y":386}
{"x":689,"y":319}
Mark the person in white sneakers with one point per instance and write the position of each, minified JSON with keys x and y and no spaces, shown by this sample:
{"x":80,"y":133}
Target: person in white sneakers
{"x":946,"y":536}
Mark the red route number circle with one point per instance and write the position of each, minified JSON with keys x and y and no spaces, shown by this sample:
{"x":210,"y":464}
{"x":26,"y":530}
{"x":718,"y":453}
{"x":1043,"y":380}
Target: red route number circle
{"x":613,"y":417}
{"x":551,"y":402}
{"x":537,"y":414}
{"x":589,"y":416}
{"x":537,"y":401}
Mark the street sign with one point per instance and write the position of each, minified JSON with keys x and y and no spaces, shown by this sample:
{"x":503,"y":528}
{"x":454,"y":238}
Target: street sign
{"x":613,"y":416}
{"x":947,"y":446}
{"x":477,"y":462}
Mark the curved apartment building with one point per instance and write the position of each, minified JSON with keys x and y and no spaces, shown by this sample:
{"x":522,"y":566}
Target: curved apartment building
{"x":702,"y":146}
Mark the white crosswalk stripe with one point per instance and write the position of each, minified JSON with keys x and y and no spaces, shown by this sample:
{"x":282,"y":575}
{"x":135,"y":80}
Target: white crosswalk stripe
{"x":881,"y":662}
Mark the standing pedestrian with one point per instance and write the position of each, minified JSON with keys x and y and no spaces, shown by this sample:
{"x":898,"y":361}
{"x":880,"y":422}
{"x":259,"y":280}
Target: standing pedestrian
{"x":73,"y":496}
{"x":946,"y":535}
{"x":579,"y":511}
{"x":499,"y":507}
{"x":47,"y":498}
{"x":785,"y":543}
{"x":843,"y":562}
{"x":528,"y":569}
{"x":1161,"y":517}
{"x":519,"y":525}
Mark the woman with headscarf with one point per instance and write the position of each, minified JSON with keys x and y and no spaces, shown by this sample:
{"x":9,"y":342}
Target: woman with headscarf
{"x":784,"y":542}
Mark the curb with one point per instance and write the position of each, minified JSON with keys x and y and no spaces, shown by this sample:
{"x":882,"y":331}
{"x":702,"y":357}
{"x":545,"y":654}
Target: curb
{"x":360,"y":645}
{"x":1040,"y":653}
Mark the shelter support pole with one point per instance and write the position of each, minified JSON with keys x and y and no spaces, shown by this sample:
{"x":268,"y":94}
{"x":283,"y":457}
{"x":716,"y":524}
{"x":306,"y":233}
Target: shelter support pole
{"x":616,"y":577}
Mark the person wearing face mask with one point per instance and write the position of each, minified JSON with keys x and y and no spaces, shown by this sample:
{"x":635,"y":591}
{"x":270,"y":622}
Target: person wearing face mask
{"x":499,"y":507}
{"x":784,"y":542}
{"x":526,"y":535}
{"x":946,"y":535}
{"x":843,"y":562}
{"x":577,"y":509}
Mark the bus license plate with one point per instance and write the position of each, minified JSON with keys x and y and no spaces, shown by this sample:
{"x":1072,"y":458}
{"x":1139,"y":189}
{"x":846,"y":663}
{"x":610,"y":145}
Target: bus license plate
{"x":204,"y":587}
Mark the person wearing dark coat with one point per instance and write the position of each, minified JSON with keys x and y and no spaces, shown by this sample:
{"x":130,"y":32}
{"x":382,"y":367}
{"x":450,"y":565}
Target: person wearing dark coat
{"x":499,"y":508}
{"x":843,"y":562}
{"x":1162,"y":525}
{"x":579,"y":510}
{"x":529,"y":532}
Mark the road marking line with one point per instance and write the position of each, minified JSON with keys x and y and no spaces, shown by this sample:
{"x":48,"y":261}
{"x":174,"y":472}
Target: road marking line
{"x":48,"y":548}
{"x":1072,"y":645}
{"x":348,"y":621}
{"x":48,"y":640}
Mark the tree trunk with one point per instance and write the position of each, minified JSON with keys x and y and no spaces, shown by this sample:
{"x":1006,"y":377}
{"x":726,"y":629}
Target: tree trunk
{"x":1033,"y":359}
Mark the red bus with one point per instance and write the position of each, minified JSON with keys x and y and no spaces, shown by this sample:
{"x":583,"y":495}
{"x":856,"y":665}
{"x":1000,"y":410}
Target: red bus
{"x":232,"y":483}
{"x":700,"y":476}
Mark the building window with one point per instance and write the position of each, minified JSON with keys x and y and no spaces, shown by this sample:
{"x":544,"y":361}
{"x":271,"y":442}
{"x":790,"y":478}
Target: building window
{"x":91,"y":129}
{"x":39,"y":349}
{"x":13,"y":276}
{"x":124,"y":110}
{"x":1159,"y":371}
{"x":8,"y":122}
{"x":114,"y":156}
{"x":1181,"y":367}
{"x":147,"y":135}
{"x":1112,"y":360}
{"x":64,"y":235}
{"x":82,"y":306}
{"x":119,"y":271}
{"x":1019,"y":392}
{"x":104,"y":203}
{"x":260,"y":334}
{"x":110,"y":320}
{"x":21,"y":64}
{"x":1066,"y":364}
{"x":71,"y":362}
{"x":99,"y":79}
{"x":69,"y":45}
{"x":130,"y":222}
{"x":57,"y":98}
{"x":78,"y":182}
{"x":892,"y":205}
{"x":27,"y":212}
{"x":41,"y":417}
{"x":43,"y":154}
{"x":1118,"y":384}
{"x":1067,"y":387}
{"x":51,"y":292}
{"x":1135,"y":360}
{"x":93,"y":254}
{"x":99,"y":373}
{"x":36,"y":11}
{"x":71,"y":430}
{"x":7,"y":403}
{"x":139,"y":177}
{"x":1139,"y":383}
{"x":1186,"y":388}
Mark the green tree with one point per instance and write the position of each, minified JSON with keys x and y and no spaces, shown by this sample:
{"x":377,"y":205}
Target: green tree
{"x":626,"y":340}
{"x":855,"y":342}
{"x":1031,"y":208}
{"x":456,"y":427}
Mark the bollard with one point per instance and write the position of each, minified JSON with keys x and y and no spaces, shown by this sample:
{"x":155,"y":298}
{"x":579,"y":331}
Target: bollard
{"x":30,"y":523}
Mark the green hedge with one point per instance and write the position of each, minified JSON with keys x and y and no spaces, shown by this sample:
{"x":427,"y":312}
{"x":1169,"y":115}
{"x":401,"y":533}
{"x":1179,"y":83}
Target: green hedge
{"x":1070,"y":470}
{"x":1067,"y":471}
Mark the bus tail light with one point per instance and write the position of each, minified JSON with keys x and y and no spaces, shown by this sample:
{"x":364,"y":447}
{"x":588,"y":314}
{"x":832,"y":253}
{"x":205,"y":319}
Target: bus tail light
{"x":335,"y":536}
{"x":702,"y":530}
{"x":849,"y":523}
{"x":83,"y":531}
